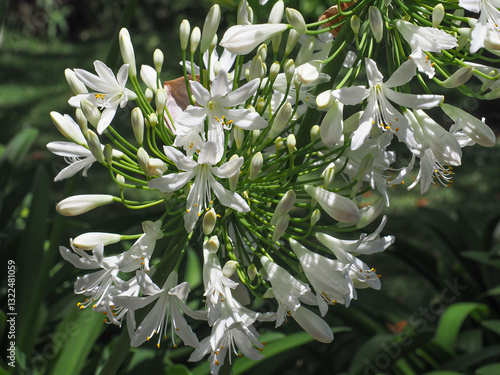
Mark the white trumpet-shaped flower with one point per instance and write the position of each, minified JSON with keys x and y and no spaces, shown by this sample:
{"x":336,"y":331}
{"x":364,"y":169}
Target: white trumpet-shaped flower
{"x":203,"y":172}
{"x":168,"y":306}
{"x":110,"y":91}
{"x":338,"y":207}
{"x":379,"y":111}
{"x":489,"y":16}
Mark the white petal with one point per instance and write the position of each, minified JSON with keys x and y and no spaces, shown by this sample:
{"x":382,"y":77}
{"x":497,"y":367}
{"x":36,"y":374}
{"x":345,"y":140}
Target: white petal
{"x":351,"y":95}
{"x":373,"y":74}
{"x":228,"y":169}
{"x":192,"y":116}
{"x":420,"y":101}
{"x":220,"y":85}
{"x":313,"y":324}
{"x":241,"y":94}
{"x":208,"y":155}
{"x":338,"y":207}
{"x":228,"y":198}
{"x":246,"y":119}
{"x":402,"y":75}
{"x":171,"y":182}
{"x":180,"y":160}
{"x":200,"y":93}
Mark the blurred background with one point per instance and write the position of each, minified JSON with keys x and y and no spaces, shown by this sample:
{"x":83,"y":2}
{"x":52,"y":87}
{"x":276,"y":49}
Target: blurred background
{"x":437,"y":313}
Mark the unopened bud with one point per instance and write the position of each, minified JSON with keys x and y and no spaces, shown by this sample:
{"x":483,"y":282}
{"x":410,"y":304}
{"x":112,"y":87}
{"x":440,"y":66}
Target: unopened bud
{"x":137,"y":120}
{"x":274,"y":70}
{"x":212,"y":245}
{"x":67,"y":127}
{"x":460,"y":77}
{"x":280,"y":228}
{"x":153,"y":120}
{"x":210,"y":27}
{"x":281,"y":120}
{"x":276,"y":14}
{"x":262,"y":51}
{"x":155,"y":167}
{"x":74,"y":83}
{"x":142,"y":158}
{"x":332,"y":124}
{"x":296,"y":19}
{"x":79,"y":204}
{"x":289,"y":70}
{"x":355,"y":24}
{"x":269,"y":293}
{"x":120,"y":179}
{"x":437,"y":15}
{"x":108,"y":154}
{"x":279,"y":143}
{"x":239,"y":136}
{"x":293,"y":38}
{"x":261,"y":104}
{"x":195,"y":39}
{"x":184,"y":30}
{"x":256,"y":68}
{"x":81,"y":120}
{"x":95,"y":146}
{"x":328,"y":176}
{"x":251,"y":272}
{"x":370,"y":214}
{"x":376,"y":23}
{"x":91,"y":112}
{"x":284,"y":206}
{"x":158,"y":60}
{"x":88,"y":241}
{"x":127,"y":50}
{"x":256,"y":165}
{"x":209,"y":220}
{"x":291,"y":142}
{"x":316,"y":215}
{"x":148,"y":93}
{"x":324,"y":100}
{"x":213,"y":44}
{"x":229,"y":268}
{"x":255,"y":135}
{"x":315,"y":133}
{"x":160,"y":101}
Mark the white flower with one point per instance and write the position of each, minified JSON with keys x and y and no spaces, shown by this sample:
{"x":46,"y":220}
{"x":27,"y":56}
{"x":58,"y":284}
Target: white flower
{"x":489,"y":15}
{"x":327,"y":276}
{"x":242,"y":39}
{"x":110,"y":91}
{"x":169,"y":303}
{"x":97,"y":285}
{"x":215,"y":105}
{"x":79,"y":204}
{"x":204,"y":184}
{"x":379,"y":111}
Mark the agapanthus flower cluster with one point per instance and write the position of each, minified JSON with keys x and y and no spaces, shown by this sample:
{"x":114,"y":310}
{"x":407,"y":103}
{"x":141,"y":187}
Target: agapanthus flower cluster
{"x":259,"y":157}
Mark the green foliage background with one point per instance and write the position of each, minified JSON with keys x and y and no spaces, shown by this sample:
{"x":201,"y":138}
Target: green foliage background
{"x":438,"y":312}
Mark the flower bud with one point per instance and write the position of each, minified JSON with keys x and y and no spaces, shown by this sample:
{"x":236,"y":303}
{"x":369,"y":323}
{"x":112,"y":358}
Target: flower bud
{"x":291,"y":142}
{"x":355,"y":24}
{"x":195,"y":39}
{"x":297,"y":83}
{"x":184,"y":30}
{"x":74,"y":83}
{"x":155,"y":167}
{"x":262,"y":51}
{"x":160,"y":101}
{"x":158,"y":60}
{"x":376,"y":23}
{"x":274,"y":70}
{"x":269,"y":293}
{"x":278,"y":143}
{"x":88,"y":241}
{"x":120,"y":179}
{"x":213,"y":44}
{"x":242,"y":39}
{"x":315,"y":132}
{"x":276,"y":14}
{"x":437,"y":15}
{"x":280,"y":228}
{"x":324,"y":100}
{"x":293,"y":38}
{"x":255,"y":134}
{"x":108,"y":154}
{"x":233,"y":180}
{"x":460,"y":77}
{"x":127,"y":50}
{"x":137,"y":120}
{"x":328,"y":176}
{"x":239,"y":136}
{"x":256,"y":165}
{"x":67,"y":127}
{"x":209,"y":220}
{"x":281,"y":120}
{"x":289,"y":70}
{"x":91,"y":112}
{"x":212,"y":244}
{"x":153,"y":120}
{"x":309,"y":72}
{"x":316,"y":215}
{"x":210,"y":27}
{"x":95,"y":146}
{"x":251,"y":272}
{"x":296,"y":19}
{"x":142,"y":158}
{"x":256,"y":68}
{"x":244,"y":15}
{"x":371,"y":213}
{"x":284,"y":206}
{"x":148,"y":93}
{"x":81,"y":120}
{"x":338,"y":207}
{"x":332,"y":124}
{"x":305,"y":52}
{"x":229,"y":268}
{"x":79,"y":204}
{"x":261,"y":104}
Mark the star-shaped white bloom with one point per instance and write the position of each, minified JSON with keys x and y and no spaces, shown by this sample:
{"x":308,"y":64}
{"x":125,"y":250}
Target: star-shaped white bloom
{"x":379,"y":111}
{"x":110,"y":91}
{"x":203,"y":172}
{"x":489,"y":16}
{"x":216,"y":106}
{"x":169,"y":303}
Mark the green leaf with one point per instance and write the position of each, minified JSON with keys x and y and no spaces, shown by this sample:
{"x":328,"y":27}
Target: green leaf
{"x":482,"y":257}
{"x":177,"y":370}
{"x":492,"y":292}
{"x":86,"y":327}
{"x":492,"y":325}
{"x":18,"y":147}
{"x":193,"y":269}
{"x":452,"y":319}
{"x":471,"y":359}
{"x":493,"y":369}
{"x":444,"y":373}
